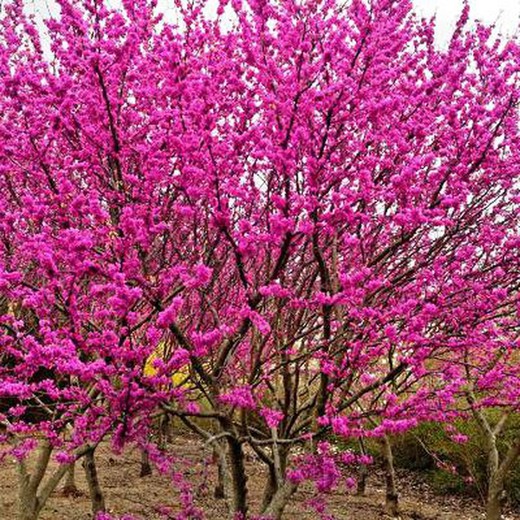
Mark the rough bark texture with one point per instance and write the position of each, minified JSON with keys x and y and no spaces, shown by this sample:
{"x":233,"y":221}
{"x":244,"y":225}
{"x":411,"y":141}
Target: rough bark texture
{"x":96,"y":495}
{"x":29,"y":505}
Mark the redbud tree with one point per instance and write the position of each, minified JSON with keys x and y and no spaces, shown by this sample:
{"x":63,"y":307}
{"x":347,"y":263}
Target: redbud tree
{"x":307,"y":211}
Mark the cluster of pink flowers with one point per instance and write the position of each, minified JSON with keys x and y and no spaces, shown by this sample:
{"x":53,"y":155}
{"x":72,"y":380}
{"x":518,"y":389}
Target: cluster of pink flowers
{"x":241,"y":396}
{"x":303,"y":224}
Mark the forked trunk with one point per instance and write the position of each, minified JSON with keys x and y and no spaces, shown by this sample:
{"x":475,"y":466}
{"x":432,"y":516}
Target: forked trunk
{"x":28,"y":504}
{"x":280,"y":499}
{"x":32,"y":492}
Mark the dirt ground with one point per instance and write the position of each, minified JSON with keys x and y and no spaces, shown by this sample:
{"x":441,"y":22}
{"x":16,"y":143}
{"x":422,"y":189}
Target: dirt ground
{"x":126,"y":492}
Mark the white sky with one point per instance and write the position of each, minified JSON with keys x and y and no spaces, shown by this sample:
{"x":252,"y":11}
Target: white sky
{"x":504,"y":13}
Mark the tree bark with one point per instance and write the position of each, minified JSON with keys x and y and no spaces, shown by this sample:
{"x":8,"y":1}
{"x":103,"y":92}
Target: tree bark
{"x":96,"y":495}
{"x":495,"y":488}
{"x":29,"y":506}
{"x":238,"y":478}
{"x":496,"y":470}
{"x":392,"y":496}
{"x":277,"y":505}
{"x":362,"y":473}
{"x":219,"y":457}
{"x":361,"y":486}
{"x":33,"y":493}
{"x":495,"y":500}
{"x":270,"y":489}
{"x":70,"y":488}
{"x":223,"y":487}
{"x":146,"y":468}
{"x":165,"y":431}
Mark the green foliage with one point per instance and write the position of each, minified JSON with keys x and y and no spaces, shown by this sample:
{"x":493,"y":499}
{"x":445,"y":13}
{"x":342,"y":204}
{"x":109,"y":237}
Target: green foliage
{"x":410,"y":453}
{"x":456,"y":467}
{"x":446,"y":483}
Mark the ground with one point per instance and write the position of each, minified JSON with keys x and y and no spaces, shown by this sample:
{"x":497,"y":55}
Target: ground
{"x":126,"y":492}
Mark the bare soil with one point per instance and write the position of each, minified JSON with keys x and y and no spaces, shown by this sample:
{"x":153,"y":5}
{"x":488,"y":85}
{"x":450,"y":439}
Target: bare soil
{"x":126,"y":492}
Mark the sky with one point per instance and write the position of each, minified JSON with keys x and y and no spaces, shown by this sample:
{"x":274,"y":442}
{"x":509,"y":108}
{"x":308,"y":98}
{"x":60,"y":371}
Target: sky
{"x":504,"y":13}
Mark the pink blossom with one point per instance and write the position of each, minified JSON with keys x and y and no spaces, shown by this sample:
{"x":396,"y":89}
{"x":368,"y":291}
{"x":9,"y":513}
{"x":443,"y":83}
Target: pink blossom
{"x":168,"y":316}
{"x":272,"y":417}
{"x":240,"y":396}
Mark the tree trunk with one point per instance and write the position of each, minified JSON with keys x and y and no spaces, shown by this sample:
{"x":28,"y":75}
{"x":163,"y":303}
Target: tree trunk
{"x":146,"y":468}
{"x":28,"y":504}
{"x":280,"y":499}
{"x":96,"y":495}
{"x":165,"y":432}
{"x":70,"y":488}
{"x":498,"y":472}
{"x":218,"y":492}
{"x":223,"y":489}
{"x":362,"y":480}
{"x":496,"y":497}
{"x":238,"y":478}
{"x":494,"y":507}
{"x":220,"y":488}
{"x":28,"y":512}
{"x":392,"y":497}
{"x":32,"y":496}
{"x":497,"y":469}
{"x":495,"y":487}
{"x":33,"y":492}
{"x":362,"y":473}
{"x":270,"y":489}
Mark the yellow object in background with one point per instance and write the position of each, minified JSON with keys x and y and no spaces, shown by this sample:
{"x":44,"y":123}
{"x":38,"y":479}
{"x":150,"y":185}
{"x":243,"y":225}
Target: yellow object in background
{"x":179,"y":377}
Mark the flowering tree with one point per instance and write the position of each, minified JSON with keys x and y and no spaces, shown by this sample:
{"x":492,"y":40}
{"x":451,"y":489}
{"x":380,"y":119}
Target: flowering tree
{"x":488,"y":377}
{"x":304,"y":213}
